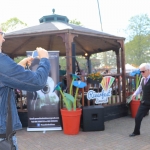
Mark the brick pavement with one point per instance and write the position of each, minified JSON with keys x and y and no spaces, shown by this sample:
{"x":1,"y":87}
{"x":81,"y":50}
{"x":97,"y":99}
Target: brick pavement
{"x":114,"y":137}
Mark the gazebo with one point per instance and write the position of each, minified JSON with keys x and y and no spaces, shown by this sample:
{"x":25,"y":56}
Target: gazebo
{"x":55,"y":33}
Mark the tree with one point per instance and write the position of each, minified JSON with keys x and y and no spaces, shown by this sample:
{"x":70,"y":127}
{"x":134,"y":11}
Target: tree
{"x":74,"y":21}
{"x":12,"y":24}
{"x":18,"y":59}
{"x":139,"y":25}
{"x":137,"y":49}
{"x":108,"y":61}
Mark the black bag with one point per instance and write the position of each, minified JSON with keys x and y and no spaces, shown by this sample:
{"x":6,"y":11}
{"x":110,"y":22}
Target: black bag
{"x":7,"y":143}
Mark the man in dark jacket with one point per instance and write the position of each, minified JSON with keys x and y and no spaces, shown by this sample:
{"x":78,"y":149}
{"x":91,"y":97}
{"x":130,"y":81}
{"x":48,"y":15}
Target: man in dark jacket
{"x":144,"y":107}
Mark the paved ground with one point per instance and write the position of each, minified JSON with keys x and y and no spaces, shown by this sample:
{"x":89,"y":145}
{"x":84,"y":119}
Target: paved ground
{"x":114,"y":137}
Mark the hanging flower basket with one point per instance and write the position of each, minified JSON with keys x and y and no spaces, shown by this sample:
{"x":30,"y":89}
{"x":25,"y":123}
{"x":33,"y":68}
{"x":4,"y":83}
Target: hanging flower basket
{"x":89,"y":80}
{"x":94,"y":78}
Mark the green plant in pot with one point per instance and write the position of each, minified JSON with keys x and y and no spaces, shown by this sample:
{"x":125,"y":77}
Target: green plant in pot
{"x":71,"y":115}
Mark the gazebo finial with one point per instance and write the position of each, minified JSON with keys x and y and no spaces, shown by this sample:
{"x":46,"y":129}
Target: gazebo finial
{"x":53,"y":10}
{"x":54,"y":17}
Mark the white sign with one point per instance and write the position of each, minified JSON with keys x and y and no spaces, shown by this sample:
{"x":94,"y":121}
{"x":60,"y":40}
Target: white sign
{"x":101,"y":97}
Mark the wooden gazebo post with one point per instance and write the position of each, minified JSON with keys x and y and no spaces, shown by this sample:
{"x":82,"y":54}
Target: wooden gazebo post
{"x":118,"y":69}
{"x":68,"y":39}
{"x":123,"y":69}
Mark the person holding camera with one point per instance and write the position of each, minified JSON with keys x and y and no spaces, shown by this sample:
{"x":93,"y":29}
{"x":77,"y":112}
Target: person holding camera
{"x":15,"y":76}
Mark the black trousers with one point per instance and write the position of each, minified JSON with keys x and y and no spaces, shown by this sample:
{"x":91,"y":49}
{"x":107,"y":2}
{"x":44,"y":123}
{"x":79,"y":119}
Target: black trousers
{"x":142,"y":112}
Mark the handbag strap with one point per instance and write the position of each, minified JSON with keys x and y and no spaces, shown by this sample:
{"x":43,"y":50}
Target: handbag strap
{"x":9,"y":128}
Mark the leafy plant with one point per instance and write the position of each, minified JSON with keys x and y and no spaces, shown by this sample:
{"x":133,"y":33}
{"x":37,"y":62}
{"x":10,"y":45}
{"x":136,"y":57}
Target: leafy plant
{"x":138,"y":77}
{"x":95,"y":76}
{"x":12,"y":24}
{"x":69,"y":100}
{"x":76,"y":22}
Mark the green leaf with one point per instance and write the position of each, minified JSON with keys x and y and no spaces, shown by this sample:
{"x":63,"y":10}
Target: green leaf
{"x":69,"y":97}
{"x":76,"y":22}
{"x":69,"y":104}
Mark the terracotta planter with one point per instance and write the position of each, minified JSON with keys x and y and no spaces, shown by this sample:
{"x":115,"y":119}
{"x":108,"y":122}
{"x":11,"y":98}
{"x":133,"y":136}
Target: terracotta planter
{"x":134,"y":105}
{"x":71,"y":121}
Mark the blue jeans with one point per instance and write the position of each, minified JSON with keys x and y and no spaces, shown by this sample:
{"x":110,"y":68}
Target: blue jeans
{"x":14,"y":138}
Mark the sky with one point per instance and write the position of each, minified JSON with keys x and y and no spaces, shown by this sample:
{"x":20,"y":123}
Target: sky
{"x":115,"y":14}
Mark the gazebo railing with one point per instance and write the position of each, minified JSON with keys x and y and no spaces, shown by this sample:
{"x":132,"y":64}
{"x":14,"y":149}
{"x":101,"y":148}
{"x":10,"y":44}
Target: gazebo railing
{"x":116,"y":97}
{"x":130,"y":85}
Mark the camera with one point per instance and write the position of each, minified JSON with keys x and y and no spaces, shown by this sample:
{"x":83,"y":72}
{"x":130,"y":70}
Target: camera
{"x":34,"y":54}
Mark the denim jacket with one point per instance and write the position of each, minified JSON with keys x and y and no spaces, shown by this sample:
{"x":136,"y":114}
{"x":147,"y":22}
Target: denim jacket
{"x":15,"y":76}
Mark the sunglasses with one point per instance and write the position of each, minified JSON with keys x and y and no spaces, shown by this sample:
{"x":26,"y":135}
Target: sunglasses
{"x":2,"y":33}
{"x":142,"y":71}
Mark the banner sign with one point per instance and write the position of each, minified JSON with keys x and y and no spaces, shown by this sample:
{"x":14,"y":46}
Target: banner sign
{"x":102,"y":97}
{"x":43,"y":105}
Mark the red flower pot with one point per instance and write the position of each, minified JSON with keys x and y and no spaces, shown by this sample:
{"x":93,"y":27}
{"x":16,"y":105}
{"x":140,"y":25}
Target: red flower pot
{"x":134,"y":105}
{"x":71,"y":121}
